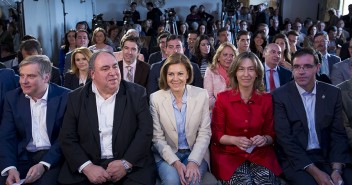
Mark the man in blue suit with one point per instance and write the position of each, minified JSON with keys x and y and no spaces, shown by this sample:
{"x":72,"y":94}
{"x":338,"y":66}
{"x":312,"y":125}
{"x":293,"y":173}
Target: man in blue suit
{"x":8,"y":81}
{"x":274,"y":75}
{"x":30,"y":126}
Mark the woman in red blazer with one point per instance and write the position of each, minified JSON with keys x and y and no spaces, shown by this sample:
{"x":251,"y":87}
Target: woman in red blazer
{"x":242,"y":127}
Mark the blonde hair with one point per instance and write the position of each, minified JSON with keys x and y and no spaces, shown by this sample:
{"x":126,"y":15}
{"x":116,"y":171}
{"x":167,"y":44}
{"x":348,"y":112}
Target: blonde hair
{"x":82,"y":50}
{"x":96,"y":31}
{"x":216,"y":57}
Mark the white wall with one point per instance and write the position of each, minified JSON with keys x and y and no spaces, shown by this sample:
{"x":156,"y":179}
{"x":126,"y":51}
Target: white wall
{"x":300,"y":8}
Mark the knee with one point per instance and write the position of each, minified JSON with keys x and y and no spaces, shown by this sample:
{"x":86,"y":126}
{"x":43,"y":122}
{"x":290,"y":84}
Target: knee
{"x":170,"y":179}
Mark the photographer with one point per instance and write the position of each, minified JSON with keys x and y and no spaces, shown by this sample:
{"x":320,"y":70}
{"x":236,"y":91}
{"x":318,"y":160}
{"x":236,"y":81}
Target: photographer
{"x":193,"y":16}
{"x":133,"y":13}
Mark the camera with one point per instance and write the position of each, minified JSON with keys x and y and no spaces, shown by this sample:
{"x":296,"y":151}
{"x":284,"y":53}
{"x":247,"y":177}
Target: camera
{"x":127,"y":13}
{"x":170,"y":14}
{"x":98,"y":21}
{"x":230,"y":6}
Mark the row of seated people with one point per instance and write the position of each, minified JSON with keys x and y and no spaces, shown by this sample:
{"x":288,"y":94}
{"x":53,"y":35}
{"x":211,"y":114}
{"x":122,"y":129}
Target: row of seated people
{"x":175,"y":78}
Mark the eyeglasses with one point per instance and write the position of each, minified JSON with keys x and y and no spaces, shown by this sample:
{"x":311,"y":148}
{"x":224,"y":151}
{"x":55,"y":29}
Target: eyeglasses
{"x":305,"y":67}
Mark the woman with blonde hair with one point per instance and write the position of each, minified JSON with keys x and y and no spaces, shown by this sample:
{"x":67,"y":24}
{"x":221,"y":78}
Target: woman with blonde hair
{"x":216,"y":78}
{"x":79,"y":73}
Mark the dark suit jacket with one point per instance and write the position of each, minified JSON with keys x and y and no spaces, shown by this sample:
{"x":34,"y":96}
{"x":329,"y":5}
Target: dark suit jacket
{"x":131,"y":135}
{"x":155,"y":57}
{"x":153,"y":81}
{"x":72,"y":81}
{"x":346,"y":90}
{"x":291,"y":126}
{"x":67,"y":65}
{"x":56,"y":76}
{"x":285,"y":75}
{"x":16,"y":126}
{"x":8,"y":81}
{"x":141,"y":73}
{"x":333,"y":59}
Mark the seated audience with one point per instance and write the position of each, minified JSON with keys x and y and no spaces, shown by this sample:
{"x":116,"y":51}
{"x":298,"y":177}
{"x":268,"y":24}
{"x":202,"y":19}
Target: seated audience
{"x":216,"y":78}
{"x":258,"y":43}
{"x":182,"y":155}
{"x":30,"y":126}
{"x":203,"y":53}
{"x":8,"y":81}
{"x":282,"y":41}
{"x":69,"y":46}
{"x":309,"y":39}
{"x":159,"y":55}
{"x":243,"y":128}
{"x":142,"y":53}
{"x":292,"y":37}
{"x":79,"y":72}
{"x":334,"y":44}
{"x":99,"y":40}
{"x":311,"y":139}
{"x":113,"y":38}
{"x":342,"y":71}
{"x":243,"y":40}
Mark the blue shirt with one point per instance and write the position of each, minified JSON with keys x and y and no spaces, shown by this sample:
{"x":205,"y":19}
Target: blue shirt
{"x":180,"y":116}
{"x":308,"y":99}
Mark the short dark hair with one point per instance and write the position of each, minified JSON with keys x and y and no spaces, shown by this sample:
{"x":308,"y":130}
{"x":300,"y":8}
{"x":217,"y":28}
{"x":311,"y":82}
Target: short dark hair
{"x":321,"y":34}
{"x":306,"y":51}
{"x":31,"y":45}
{"x":133,"y":3}
{"x":221,"y":30}
{"x":292,"y":32}
{"x":240,"y":33}
{"x":331,"y":28}
{"x":85,"y":31}
{"x":150,"y":4}
{"x":131,"y":38}
{"x":161,"y":36}
{"x":192,"y":8}
{"x":174,"y":37}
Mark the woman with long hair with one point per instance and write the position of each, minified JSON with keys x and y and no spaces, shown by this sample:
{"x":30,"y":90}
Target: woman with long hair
{"x":258,"y":43}
{"x":203,"y":52}
{"x":69,"y":45}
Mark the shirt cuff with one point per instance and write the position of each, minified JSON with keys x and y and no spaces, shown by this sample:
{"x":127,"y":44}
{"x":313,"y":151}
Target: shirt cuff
{"x":4,"y":172}
{"x":80,"y":169}
{"x":46,"y":164}
{"x":307,"y":166}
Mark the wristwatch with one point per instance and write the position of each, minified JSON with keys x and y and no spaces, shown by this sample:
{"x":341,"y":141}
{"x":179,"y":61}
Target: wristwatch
{"x":127,"y":167}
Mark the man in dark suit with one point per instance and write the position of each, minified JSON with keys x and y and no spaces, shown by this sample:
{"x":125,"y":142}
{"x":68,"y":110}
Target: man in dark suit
{"x":107,"y":132}
{"x":159,"y":55}
{"x":274,"y":75}
{"x":321,"y":41}
{"x":8,"y":81}
{"x":33,"y":47}
{"x":348,"y":19}
{"x":132,"y":69}
{"x":174,"y":44}
{"x":311,"y":139}
{"x":30,"y":126}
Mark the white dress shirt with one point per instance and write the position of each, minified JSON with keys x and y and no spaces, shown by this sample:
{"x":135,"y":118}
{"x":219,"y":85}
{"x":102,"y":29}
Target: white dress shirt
{"x":105,"y":111}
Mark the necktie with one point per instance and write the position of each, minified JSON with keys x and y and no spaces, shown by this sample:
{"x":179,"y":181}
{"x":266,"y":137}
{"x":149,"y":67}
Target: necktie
{"x":129,"y":73}
{"x":271,"y":80}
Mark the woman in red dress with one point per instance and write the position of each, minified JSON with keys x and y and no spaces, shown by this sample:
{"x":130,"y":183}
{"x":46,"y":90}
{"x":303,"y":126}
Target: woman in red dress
{"x":242,"y":127}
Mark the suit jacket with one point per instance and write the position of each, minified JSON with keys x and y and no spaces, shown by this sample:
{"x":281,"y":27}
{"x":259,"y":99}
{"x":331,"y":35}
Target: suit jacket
{"x":153,"y":80}
{"x":131,"y":135}
{"x":285,"y":75}
{"x":72,"y":81}
{"x":214,"y":83}
{"x":155,"y":57}
{"x":165,"y":134}
{"x":346,"y":91}
{"x":291,"y":126}
{"x":141,"y":73}
{"x":8,"y":81}
{"x":332,"y":59}
{"x":16,"y":129}
{"x":56,"y":76}
{"x":341,"y":71}
{"x":67,"y":65}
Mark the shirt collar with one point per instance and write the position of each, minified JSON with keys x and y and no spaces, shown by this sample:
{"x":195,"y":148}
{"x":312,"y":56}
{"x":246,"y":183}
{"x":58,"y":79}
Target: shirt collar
{"x":133,"y":64}
{"x":96,"y":91}
{"x":302,"y":91}
{"x":184,"y":97}
{"x":44,"y":97}
{"x":267,"y":68}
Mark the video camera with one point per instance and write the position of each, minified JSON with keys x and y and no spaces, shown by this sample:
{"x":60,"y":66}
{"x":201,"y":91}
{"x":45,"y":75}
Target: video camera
{"x":230,"y":6}
{"x":98,"y":21}
{"x":127,"y":13}
{"x":171,"y":13}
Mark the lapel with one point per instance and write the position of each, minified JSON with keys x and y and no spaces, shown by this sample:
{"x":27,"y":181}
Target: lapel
{"x":52,"y":105}
{"x":320,"y":108}
{"x":91,"y":112}
{"x":191,"y":104}
{"x":121,"y":68}
{"x":167,"y":105}
{"x":296,"y":101}
{"x":281,"y":75}
{"x":138,"y":72}
{"x":25,"y":107}
{"x":120,"y":105}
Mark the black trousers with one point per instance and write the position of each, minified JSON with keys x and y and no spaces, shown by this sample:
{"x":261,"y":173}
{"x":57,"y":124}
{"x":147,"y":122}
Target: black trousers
{"x":49,"y":177}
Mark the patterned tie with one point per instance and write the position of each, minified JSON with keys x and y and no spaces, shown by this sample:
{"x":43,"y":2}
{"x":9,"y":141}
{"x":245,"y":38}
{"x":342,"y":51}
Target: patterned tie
{"x":271,"y":81}
{"x":129,"y":73}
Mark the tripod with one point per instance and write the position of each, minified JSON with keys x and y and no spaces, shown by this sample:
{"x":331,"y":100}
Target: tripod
{"x":171,"y":26}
